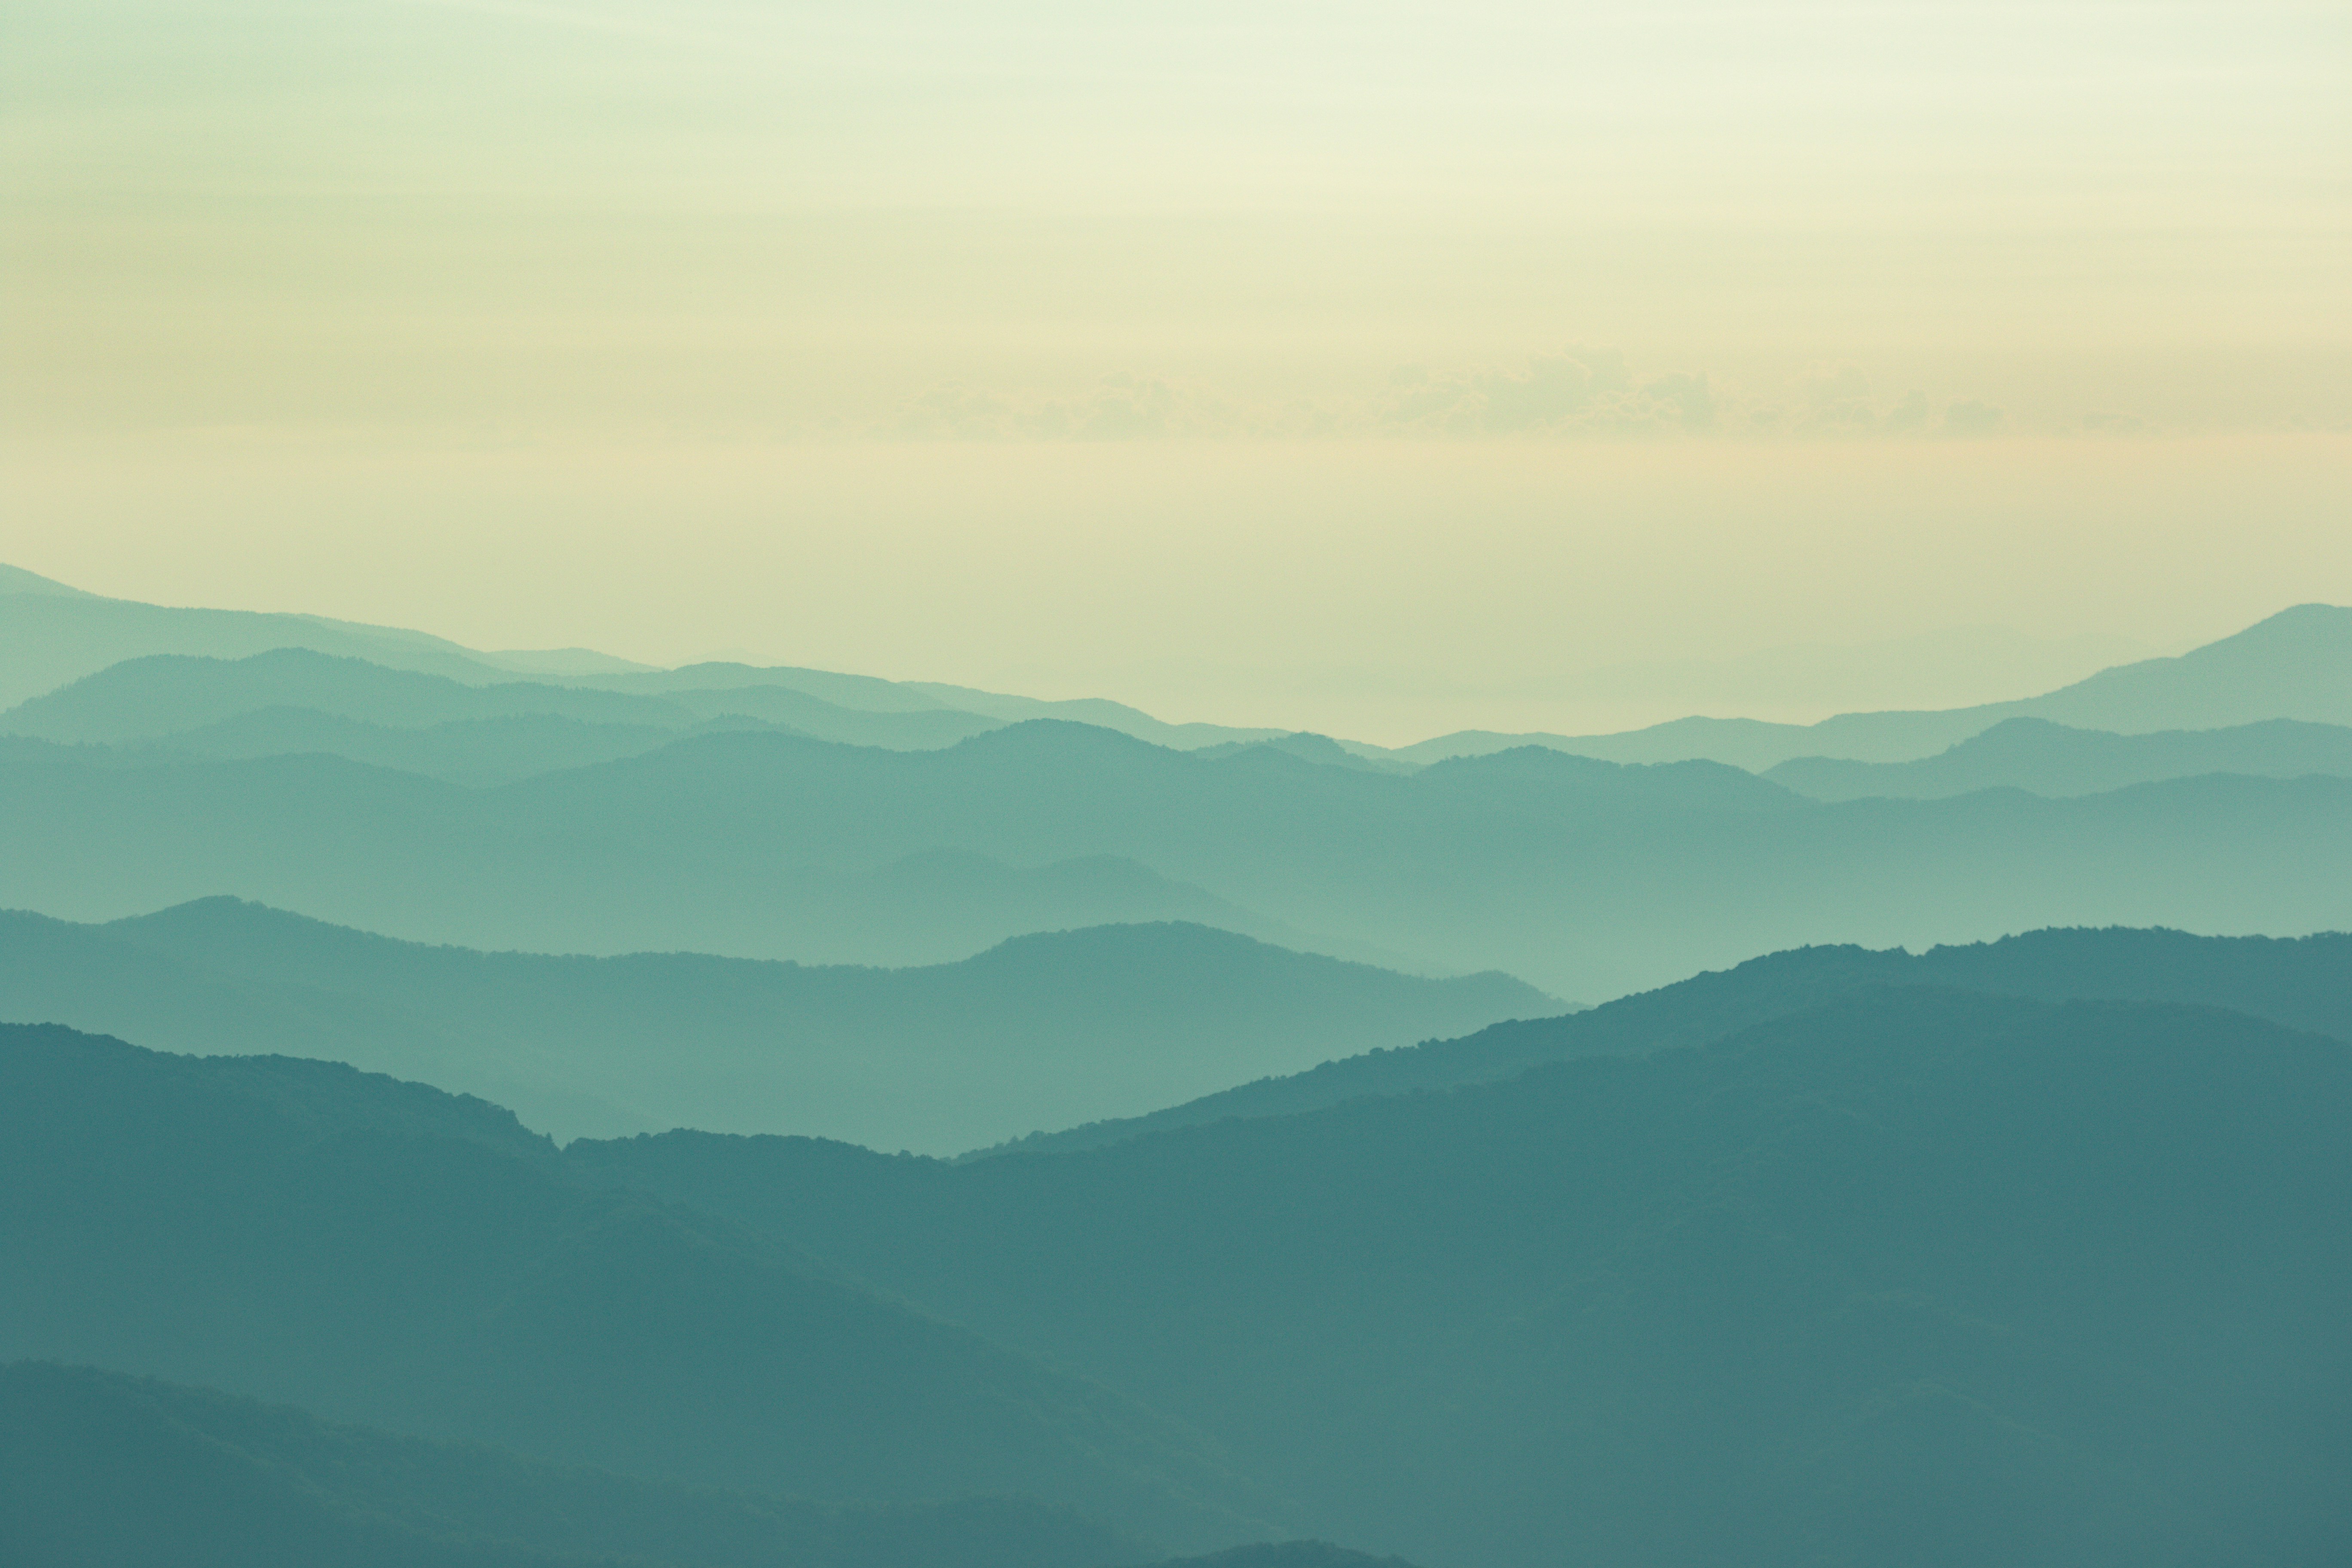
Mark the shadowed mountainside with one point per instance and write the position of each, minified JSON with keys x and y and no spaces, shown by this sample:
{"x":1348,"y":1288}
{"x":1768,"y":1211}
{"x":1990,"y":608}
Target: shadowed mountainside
{"x":380,"y":1252}
{"x":2301,"y":984}
{"x":1919,"y":1275}
{"x":2051,"y":1282}
{"x":1044,"y":1031}
{"x":100,"y":1471}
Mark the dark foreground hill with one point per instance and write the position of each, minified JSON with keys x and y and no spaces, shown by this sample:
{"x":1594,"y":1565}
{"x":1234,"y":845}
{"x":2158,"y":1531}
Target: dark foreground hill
{"x":1585,"y":877}
{"x":1044,"y":1031}
{"x":2304,"y":982}
{"x":100,"y":1471}
{"x":1920,"y":1276}
{"x":382,"y":1253}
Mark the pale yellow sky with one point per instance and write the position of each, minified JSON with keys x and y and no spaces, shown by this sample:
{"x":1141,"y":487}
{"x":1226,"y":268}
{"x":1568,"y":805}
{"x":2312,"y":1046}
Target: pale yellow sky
{"x":1372,"y":366}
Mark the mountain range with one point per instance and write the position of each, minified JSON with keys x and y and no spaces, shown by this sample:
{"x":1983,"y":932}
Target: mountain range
{"x":525,"y":1199}
{"x":53,"y":635}
{"x":2295,"y":665}
{"x":1787,"y":1264}
{"x":1586,"y":878}
{"x":1041,"y":1032}
{"x":2053,"y":760}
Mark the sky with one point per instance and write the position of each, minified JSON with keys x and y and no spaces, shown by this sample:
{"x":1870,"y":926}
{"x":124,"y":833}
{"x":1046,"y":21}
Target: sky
{"x":1376,"y":368}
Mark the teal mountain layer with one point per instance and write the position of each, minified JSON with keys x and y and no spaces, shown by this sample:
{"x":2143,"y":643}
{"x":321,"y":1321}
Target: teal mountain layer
{"x":1043,"y":1032}
{"x":1586,"y":878}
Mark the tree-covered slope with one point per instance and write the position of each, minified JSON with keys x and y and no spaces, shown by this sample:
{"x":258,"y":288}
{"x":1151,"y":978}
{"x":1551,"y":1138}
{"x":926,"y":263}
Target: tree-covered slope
{"x":379,"y":1252}
{"x":2302,"y":982}
{"x":103,"y":1471}
{"x":1044,"y":1031}
{"x":1917,"y":1276}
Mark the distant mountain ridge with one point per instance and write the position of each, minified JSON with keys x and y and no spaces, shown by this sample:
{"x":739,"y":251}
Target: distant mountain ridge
{"x":2053,"y":760}
{"x":51,"y":635}
{"x":2295,"y":665}
{"x":17,"y":580}
{"x":1042,"y":1031}
{"x":1586,"y":878}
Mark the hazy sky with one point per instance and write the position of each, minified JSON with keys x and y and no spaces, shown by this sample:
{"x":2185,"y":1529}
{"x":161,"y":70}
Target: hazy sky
{"x":1378,"y":367}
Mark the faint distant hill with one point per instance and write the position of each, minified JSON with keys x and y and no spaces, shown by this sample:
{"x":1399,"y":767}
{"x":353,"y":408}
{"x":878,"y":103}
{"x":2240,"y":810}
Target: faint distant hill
{"x":1587,"y":879}
{"x":1907,"y":1275}
{"x":146,"y":699}
{"x":52,"y":635}
{"x":1041,"y":1032}
{"x":378,"y":1252}
{"x":132,"y":1472}
{"x":2296,"y":665}
{"x":2299,"y":982}
{"x":2047,"y":759}
{"x":291,"y":700}
{"x":868,"y":692}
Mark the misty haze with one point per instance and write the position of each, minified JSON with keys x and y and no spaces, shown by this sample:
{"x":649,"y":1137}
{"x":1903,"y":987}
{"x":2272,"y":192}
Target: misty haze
{"x":1213,"y":787}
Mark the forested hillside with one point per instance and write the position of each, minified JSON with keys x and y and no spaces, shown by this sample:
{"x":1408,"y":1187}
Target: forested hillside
{"x":100,"y":1471}
{"x":2054,"y":1281}
{"x":382,"y":1253}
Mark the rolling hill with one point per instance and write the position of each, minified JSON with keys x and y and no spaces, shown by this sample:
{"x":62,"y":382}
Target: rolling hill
{"x":2300,"y":984}
{"x":101,"y":1470}
{"x":1913,"y":1275}
{"x":1587,"y":879}
{"x":2295,"y":665}
{"x":1041,"y":1032}
{"x":2046,"y":759}
{"x":295,"y":699}
{"x":52,"y":636}
{"x":380,"y":1252}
